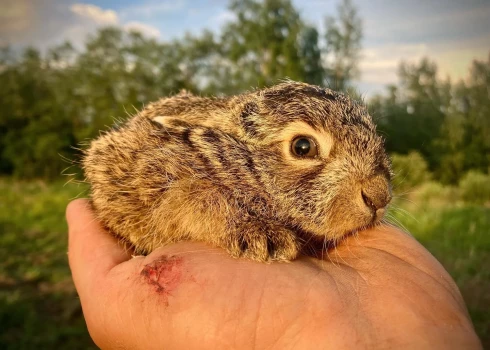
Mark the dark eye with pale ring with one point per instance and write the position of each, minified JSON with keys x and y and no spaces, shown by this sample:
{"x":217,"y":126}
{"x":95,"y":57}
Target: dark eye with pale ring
{"x":304,"y":147}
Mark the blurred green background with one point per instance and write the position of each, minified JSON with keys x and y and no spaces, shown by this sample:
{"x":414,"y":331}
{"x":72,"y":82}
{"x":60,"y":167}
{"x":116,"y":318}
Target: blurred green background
{"x":55,"y":97}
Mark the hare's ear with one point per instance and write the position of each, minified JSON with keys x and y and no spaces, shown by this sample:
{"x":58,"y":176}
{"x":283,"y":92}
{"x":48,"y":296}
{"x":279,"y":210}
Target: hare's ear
{"x":169,"y":122}
{"x":159,"y":120}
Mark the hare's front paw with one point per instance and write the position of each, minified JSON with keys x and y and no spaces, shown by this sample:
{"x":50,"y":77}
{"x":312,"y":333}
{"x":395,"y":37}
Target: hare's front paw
{"x":261,"y":241}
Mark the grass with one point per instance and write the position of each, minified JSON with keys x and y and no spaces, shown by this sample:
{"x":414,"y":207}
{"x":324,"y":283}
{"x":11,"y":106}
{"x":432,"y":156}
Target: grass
{"x":457,"y":234}
{"x":39,"y":307}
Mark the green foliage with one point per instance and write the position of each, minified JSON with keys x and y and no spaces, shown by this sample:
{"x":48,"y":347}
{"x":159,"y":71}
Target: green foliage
{"x":31,"y":120}
{"x":457,"y":234}
{"x":412,"y":114}
{"x":465,"y":144}
{"x":410,"y":170}
{"x":53,"y":103}
{"x":311,"y":56}
{"x":475,"y":187}
{"x":263,"y":42}
{"x":447,"y":123}
{"x":39,"y":307}
{"x":343,"y":44}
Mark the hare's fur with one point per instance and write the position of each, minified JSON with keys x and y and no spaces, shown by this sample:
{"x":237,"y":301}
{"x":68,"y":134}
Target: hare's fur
{"x":220,"y":170}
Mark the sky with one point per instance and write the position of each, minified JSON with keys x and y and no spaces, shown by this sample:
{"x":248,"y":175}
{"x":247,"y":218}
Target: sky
{"x":451,"y":32}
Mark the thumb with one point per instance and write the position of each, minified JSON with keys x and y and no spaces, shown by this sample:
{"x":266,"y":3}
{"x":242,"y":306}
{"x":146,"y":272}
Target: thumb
{"x":92,"y":251}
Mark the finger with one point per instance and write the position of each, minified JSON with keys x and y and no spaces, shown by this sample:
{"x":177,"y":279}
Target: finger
{"x":92,"y":251}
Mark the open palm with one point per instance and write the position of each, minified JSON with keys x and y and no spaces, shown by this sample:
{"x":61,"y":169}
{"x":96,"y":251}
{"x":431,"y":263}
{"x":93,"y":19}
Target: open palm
{"x":380,"y":289}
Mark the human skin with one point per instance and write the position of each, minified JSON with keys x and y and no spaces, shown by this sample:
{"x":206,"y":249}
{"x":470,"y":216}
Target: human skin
{"x":379,"y":289}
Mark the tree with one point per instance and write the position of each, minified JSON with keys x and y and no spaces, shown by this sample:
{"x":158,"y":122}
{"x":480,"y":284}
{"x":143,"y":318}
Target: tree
{"x":204,"y":65}
{"x":311,"y":56}
{"x":34,"y":128}
{"x":262,"y":44}
{"x":413,"y":113}
{"x":464,"y":142}
{"x":343,"y":43}
{"x":447,"y":123}
{"x":477,"y":107}
{"x":53,"y":103}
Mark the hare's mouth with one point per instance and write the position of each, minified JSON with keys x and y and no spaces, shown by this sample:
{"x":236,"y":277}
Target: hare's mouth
{"x":370,"y":220}
{"x":375,"y":219}
{"x":373,"y":223}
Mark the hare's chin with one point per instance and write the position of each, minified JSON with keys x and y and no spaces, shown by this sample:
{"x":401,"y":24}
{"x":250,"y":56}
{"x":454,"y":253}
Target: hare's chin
{"x":369,"y":224}
{"x":337,"y":230}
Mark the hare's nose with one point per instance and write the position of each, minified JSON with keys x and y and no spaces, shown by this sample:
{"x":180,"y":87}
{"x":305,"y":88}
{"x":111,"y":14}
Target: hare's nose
{"x":376,"y":194}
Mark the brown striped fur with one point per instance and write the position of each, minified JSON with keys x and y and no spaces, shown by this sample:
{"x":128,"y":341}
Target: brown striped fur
{"x":220,"y":170}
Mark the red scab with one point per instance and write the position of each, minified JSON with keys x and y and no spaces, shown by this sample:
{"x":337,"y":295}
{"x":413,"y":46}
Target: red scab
{"x":164,"y":274}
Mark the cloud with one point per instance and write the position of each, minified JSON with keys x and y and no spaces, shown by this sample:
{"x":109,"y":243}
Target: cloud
{"x":95,"y":14}
{"x":424,"y":21}
{"x":47,"y":23}
{"x":90,"y":17}
{"x":422,"y":15}
{"x":15,"y":16}
{"x":17,"y":19}
{"x":379,"y":65}
{"x":450,"y":33}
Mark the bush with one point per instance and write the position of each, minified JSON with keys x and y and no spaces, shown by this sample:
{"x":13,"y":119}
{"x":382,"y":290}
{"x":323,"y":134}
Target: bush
{"x":410,"y":170}
{"x":475,"y":187}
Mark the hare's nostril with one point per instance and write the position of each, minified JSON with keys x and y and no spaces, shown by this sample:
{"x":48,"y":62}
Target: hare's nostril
{"x":368,"y":201}
{"x":376,"y":193}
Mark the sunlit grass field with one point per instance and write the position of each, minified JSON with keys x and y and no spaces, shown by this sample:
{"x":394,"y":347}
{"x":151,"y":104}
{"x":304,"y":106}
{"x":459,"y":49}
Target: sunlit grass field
{"x":39,"y":308}
{"x":458,"y":235}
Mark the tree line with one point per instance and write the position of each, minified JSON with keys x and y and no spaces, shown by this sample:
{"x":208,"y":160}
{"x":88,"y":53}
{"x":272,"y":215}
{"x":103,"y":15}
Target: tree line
{"x":54,"y":101}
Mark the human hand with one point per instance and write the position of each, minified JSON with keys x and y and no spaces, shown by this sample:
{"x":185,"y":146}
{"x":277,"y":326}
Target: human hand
{"x":380,"y":289}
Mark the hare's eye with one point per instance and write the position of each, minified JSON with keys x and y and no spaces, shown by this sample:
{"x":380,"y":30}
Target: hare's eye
{"x":304,"y":146}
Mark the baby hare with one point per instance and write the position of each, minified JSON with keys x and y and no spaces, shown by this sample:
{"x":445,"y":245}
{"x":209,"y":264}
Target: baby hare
{"x":261,"y":174}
